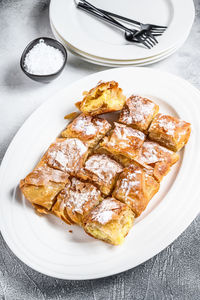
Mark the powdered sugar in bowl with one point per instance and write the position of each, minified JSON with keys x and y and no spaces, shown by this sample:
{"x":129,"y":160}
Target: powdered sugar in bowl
{"x":43,"y":59}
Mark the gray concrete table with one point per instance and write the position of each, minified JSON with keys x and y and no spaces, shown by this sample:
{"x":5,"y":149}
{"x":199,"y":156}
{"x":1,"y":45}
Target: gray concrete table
{"x":172,"y":274}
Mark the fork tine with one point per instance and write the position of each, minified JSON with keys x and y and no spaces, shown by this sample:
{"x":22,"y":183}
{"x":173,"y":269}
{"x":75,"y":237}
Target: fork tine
{"x":157,"y":31}
{"x":147,"y":40}
{"x":150,"y":41}
{"x":142,"y":40}
{"x":157,"y":34}
{"x":146,"y":44}
{"x":158,"y":27}
{"x":153,"y":37}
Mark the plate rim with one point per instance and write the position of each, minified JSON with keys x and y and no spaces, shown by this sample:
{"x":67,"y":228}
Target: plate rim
{"x":89,"y":59}
{"x":182,"y":227}
{"x":82,"y":45}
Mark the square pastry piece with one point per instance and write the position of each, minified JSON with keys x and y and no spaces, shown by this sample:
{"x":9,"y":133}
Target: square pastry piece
{"x":88,"y":129}
{"x":42,"y":185}
{"x":110,"y":221}
{"x":170,"y":131}
{"x":156,"y":159}
{"x":103,"y":98}
{"x":101,"y":170}
{"x":135,"y":188}
{"x":67,"y":155}
{"x":138,"y":112}
{"x":124,"y":140}
{"x":75,"y":201}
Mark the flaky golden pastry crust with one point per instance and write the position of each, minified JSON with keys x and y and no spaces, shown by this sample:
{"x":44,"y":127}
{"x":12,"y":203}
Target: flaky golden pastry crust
{"x":105,"y":97}
{"x":170,"y":132}
{"x":75,"y":201}
{"x":157,"y":159}
{"x":42,"y":185}
{"x":88,"y":129}
{"x":121,"y":159}
{"x":67,"y":155}
{"x":101,"y":170}
{"x":135,"y":188}
{"x":110,"y":221}
{"x":124,"y":140}
{"x":138,"y":112}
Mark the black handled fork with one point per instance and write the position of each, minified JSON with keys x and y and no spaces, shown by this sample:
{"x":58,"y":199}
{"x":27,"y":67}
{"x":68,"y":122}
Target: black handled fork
{"x":142,"y":36}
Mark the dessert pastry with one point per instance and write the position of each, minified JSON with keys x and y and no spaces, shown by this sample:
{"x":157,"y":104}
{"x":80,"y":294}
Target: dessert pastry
{"x":88,"y":129}
{"x":67,"y":155}
{"x":101,"y":170}
{"x":135,"y":188}
{"x":124,"y":140}
{"x":121,"y":163}
{"x":41,"y":186}
{"x":138,"y":112}
{"x":75,"y":201}
{"x":156,"y":159}
{"x":121,"y":159}
{"x":110,"y":221}
{"x":169,"y":131}
{"x":103,"y":98}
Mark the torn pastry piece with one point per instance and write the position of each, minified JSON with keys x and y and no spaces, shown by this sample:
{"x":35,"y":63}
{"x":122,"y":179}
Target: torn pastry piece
{"x":110,"y":221}
{"x":138,"y":112}
{"x":75,"y":201}
{"x":105,"y":97}
{"x":170,"y":132}
{"x":67,"y":155}
{"x":124,"y":140}
{"x":135,"y":187}
{"x":42,"y":185}
{"x":156,"y":159}
{"x":101,"y":170}
{"x":88,"y":129}
{"x":71,"y":116}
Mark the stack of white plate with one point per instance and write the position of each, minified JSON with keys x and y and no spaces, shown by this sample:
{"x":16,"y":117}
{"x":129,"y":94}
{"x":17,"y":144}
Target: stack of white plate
{"x":100,"y":43}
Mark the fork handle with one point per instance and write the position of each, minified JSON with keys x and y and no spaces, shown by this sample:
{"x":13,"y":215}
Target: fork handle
{"x":121,"y":17}
{"x":90,"y":8}
{"x":135,"y":40}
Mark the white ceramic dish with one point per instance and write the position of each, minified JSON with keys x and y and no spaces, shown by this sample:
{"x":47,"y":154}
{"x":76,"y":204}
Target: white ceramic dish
{"x":44,"y":243}
{"x":89,"y":35}
{"x":109,"y":63}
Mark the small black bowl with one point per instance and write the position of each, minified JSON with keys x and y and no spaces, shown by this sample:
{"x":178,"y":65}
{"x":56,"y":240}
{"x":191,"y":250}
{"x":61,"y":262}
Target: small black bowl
{"x":50,"y":42}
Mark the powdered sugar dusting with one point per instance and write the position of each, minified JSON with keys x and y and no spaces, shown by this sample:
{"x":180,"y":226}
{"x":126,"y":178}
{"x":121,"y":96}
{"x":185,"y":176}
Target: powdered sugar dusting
{"x":124,"y":140}
{"x":103,"y":213}
{"x":84,"y":124}
{"x":88,"y":127}
{"x":44,"y":174}
{"x":137,"y":110}
{"x":131,"y":182}
{"x":80,"y":193}
{"x":104,"y":167}
{"x":67,"y":155}
{"x":124,"y":133}
{"x":168,"y":126}
{"x":60,"y":158}
{"x":167,"y":123}
{"x":152,"y":152}
{"x":79,"y":196}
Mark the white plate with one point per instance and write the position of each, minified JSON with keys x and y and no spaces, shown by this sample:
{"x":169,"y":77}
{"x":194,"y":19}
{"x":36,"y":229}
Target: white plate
{"x":44,"y":243}
{"x":109,"y":63}
{"x":91,"y":36}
